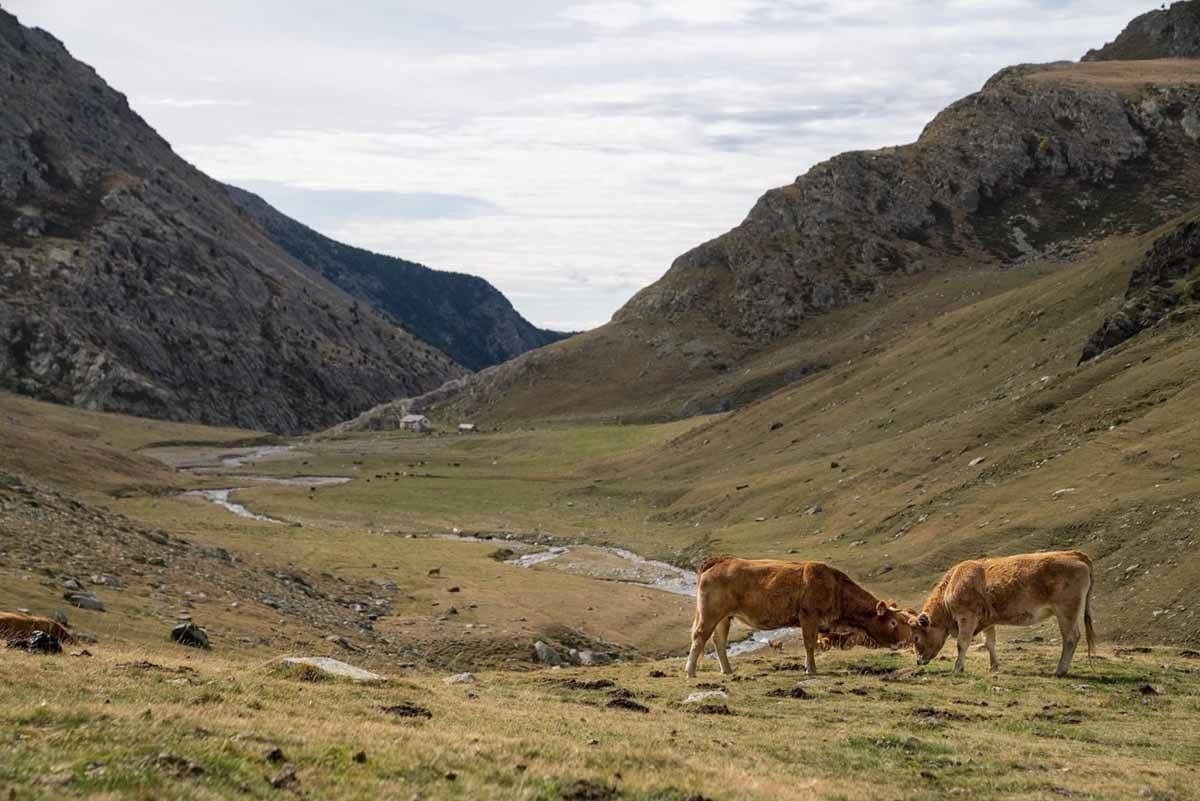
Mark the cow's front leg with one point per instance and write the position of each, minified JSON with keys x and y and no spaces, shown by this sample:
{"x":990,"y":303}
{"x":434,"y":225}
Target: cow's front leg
{"x":809,"y":630}
{"x":966,"y":633}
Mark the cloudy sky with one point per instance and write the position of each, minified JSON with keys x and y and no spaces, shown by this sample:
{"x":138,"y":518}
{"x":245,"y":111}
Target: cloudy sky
{"x":565,"y":151}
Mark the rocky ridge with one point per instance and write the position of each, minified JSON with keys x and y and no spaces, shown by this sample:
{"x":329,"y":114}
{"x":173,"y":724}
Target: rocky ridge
{"x":1164,"y":287}
{"x":130,"y":282}
{"x":462,"y":315}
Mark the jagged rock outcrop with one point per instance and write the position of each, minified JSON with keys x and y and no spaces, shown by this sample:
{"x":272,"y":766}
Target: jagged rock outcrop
{"x":1164,"y":286}
{"x":462,"y":315}
{"x":130,"y":282}
{"x":1164,"y":33}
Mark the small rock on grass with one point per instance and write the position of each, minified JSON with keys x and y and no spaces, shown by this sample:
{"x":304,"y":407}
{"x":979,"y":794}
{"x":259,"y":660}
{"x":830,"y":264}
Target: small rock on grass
{"x":460,"y":678}
{"x":284,"y":778}
{"x":706,"y":697}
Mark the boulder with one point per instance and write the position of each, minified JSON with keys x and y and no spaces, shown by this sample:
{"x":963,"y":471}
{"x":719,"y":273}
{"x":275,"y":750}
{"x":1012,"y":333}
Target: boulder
{"x":594,"y":658}
{"x":191,"y":635}
{"x":334,"y":668}
{"x":547,"y":655}
{"x":84,"y":600}
{"x":460,"y":678}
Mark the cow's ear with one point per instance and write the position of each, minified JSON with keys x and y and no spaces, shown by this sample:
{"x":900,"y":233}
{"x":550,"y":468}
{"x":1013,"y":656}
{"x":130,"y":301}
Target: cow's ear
{"x":881,"y":609}
{"x":923,"y":620}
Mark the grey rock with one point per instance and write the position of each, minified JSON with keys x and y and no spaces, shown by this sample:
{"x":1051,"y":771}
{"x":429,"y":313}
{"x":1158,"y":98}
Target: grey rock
{"x":547,"y":655}
{"x":333,"y":667}
{"x":191,"y":635}
{"x":594,"y":658}
{"x":460,"y":678}
{"x":84,"y":600}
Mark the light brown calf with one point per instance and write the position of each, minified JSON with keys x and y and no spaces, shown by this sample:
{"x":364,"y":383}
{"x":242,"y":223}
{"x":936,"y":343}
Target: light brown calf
{"x":14,"y":626}
{"x":770,"y":594}
{"x":980,"y":594}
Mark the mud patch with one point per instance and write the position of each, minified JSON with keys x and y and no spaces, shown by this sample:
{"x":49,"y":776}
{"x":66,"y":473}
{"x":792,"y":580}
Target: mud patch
{"x":576,"y":684}
{"x":793,"y":692}
{"x":584,"y":790}
{"x":407,"y":710}
{"x":627,"y":704}
{"x":932,"y":713}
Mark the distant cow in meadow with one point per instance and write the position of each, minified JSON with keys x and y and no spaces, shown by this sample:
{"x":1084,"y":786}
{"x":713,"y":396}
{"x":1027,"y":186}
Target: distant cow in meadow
{"x":771,"y":594}
{"x":844,"y":640}
{"x":14,"y":626}
{"x":980,"y":594}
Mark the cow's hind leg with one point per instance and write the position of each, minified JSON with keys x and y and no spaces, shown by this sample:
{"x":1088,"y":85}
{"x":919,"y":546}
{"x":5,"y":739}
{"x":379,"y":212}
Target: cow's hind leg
{"x":702,"y":630}
{"x":1068,"y":625}
{"x":989,"y":642}
{"x":721,"y":640}
{"x":809,"y":630}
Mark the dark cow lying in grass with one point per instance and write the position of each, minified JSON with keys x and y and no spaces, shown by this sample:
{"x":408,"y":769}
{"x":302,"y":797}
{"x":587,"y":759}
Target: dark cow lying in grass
{"x":770,"y":594}
{"x":980,"y":594}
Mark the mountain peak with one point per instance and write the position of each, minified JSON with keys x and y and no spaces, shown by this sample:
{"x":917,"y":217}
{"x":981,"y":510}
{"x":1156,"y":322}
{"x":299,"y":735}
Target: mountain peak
{"x":1164,"y":33}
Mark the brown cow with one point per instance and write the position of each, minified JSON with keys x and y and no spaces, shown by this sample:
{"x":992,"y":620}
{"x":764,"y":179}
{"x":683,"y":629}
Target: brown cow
{"x":980,"y":594}
{"x":21,"y":627}
{"x":771,"y":594}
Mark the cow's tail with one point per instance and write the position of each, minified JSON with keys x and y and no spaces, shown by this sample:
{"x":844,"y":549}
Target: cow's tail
{"x":1087,"y":612}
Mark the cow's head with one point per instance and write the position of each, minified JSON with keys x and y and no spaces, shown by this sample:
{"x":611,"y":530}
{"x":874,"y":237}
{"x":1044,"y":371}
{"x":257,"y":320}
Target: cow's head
{"x":927,"y":638}
{"x":888,"y":627}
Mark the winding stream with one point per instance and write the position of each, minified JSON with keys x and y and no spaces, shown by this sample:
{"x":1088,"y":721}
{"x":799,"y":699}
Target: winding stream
{"x":604,"y":563}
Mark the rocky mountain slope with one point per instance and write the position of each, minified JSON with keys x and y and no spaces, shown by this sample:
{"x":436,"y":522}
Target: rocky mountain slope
{"x":131,"y":281}
{"x":1042,"y":162}
{"x":1164,"y":33}
{"x":462,"y":315}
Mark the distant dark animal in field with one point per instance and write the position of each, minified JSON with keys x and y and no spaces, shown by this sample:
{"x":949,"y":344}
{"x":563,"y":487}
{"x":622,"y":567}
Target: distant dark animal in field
{"x":980,"y":594}
{"x":772,"y":594}
{"x":844,"y":640}
{"x":15,"y":626}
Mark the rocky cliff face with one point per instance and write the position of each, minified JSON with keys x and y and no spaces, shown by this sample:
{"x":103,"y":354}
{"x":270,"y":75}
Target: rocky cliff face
{"x":1165,"y":287}
{"x":461,"y":315}
{"x":1165,"y":33}
{"x":1042,"y":156}
{"x":130,"y":282}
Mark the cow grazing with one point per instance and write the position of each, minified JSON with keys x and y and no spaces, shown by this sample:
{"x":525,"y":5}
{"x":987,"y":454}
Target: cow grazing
{"x":771,"y":594}
{"x":21,"y":627}
{"x":980,"y":594}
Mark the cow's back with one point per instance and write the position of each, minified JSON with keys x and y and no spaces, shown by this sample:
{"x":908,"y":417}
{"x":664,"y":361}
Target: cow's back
{"x":769,"y":593}
{"x":1017,"y":585}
